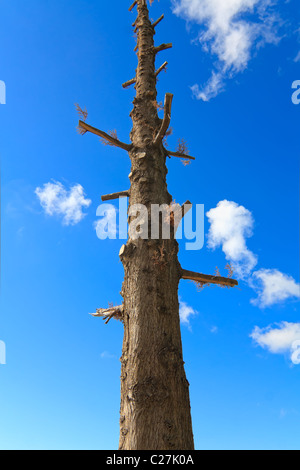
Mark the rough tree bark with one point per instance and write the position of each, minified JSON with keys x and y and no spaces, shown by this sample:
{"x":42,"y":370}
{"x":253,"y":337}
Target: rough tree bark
{"x":155,"y":406}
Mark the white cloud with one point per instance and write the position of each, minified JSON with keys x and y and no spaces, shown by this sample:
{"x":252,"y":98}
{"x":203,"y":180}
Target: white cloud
{"x":185,"y":312}
{"x":57,"y":200}
{"x":280,"y":339}
{"x":274,"y":287}
{"x":230,"y":225}
{"x":212,"y":88}
{"x":107,"y":355}
{"x":214,"y":329}
{"x":229,"y":30}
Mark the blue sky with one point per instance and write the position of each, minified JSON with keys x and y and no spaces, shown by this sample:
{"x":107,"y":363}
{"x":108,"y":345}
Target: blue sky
{"x":231,"y":72}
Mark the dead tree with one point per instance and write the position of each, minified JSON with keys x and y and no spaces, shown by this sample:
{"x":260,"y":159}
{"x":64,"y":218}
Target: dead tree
{"x":155,"y":405}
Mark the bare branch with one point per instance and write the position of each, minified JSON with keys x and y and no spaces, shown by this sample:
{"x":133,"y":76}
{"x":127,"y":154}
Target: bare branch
{"x":208,"y":279}
{"x":110,"y":197}
{"x":132,"y":6}
{"x":167,"y":118}
{"x":114,"y":135}
{"x":129,"y":83}
{"x":108,"y":313}
{"x":179,"y":155}
{"x":115,"y":142}
{"x":161,"y":68}
{"x":158,"y":21}
{"x":162,"y":47}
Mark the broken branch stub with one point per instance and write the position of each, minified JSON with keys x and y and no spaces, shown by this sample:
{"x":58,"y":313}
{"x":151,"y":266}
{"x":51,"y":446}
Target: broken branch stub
{"x":115,"y":142}
{"x":208,"y":279}
{"x":129,"y":83}
{"x":166,"y":120}
{"x":108,"y":313}
{"x":162,"y":47}
{"x":132,"y":6}
{"x":133,"y":80}
{"x":176,"y":213}
{"x":161,"y":68}
{"x":110,"y":197}
{"x":158,"y":21}
{"x":179,"y":155}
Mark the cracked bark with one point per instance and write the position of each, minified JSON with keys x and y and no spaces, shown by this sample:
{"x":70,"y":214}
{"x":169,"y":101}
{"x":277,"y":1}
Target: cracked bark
{"x":155,"y":406}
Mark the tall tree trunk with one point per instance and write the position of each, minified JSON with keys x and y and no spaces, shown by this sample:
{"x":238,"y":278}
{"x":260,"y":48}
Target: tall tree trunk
{"x":155,"y":405}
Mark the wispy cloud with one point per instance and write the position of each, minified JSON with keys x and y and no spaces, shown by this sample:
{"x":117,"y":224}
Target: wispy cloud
{"x":230,"y":226}
{"x":107,"y":355}
{"x":55,"y":199}
{"x":211,"y":89}
{"x":186,"y":312}
{"x":214,"y":330}
{"x":229,"y":30}
{"x":297,"y":58}
{"x":283,"y":338}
